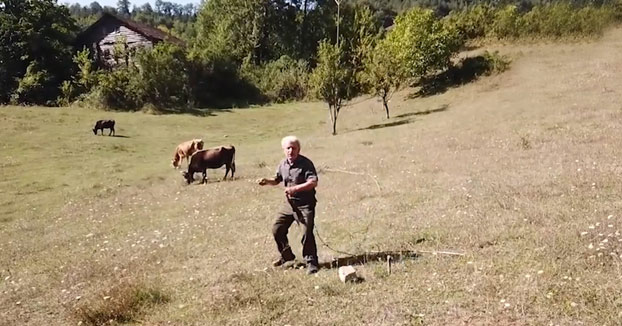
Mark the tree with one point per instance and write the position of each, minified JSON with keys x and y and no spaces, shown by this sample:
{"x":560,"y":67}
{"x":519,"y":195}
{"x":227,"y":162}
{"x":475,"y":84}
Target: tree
{"x":253,"y":31}
{"x":40,"y":34}
{"x":361,"y":32}
{"x":164,"y":75}
{"x":95,"y":7}
{"x":123,"y":7}
{"x":423,"y":43}
{"x":331,"y":81}
{"x":384,"y":74}
{"x":338,"y":75}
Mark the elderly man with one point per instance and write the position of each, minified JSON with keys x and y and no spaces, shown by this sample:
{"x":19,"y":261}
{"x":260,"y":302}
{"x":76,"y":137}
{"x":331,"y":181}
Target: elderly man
{"x":300,"y":178}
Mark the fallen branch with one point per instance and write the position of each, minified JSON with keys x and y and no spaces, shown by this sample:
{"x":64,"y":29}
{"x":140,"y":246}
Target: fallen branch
{"x":450,"y":253}
{"x":355,"y":173}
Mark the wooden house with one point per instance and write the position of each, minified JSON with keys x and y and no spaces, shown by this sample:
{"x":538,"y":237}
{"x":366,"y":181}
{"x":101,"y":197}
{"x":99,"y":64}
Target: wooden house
{"x":109,"y":30}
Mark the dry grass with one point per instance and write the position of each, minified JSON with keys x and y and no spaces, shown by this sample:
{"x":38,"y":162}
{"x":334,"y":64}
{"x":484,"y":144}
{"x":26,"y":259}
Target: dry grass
{"x":511,"y":169}
{"x":121,"y":302}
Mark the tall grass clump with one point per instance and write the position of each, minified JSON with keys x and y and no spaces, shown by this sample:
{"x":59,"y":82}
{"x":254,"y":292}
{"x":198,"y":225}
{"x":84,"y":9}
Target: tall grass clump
{"x":122,"y":303}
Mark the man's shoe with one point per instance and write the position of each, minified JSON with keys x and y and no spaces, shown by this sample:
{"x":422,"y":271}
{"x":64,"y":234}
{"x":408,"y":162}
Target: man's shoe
{"x":312,"y":269}
{"x":281,"y":262}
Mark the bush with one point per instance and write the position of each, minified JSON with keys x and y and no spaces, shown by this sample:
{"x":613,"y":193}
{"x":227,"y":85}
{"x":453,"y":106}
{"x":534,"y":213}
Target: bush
{"x":282,"y":80}
{"x":551,"y":21}
{"x":31,"y":88}
{"x":120,"y":89}
{"x":163,"y":76}
{"x":423,"y":43}
{"x":496,"y":63}
{"x":507,"y":23}
{"x":472,"y":22}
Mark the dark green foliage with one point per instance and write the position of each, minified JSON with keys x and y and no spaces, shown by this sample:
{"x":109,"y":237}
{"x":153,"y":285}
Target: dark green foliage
{"x":120,"y":89}
{"x":423,"y":43}
{"x":251,"y":51}
{"x":282,"y":80}
{"x":163,"y":76}
{"x":36,"y":49}
{"x":473,"y":22}
{"x":159,"y":77}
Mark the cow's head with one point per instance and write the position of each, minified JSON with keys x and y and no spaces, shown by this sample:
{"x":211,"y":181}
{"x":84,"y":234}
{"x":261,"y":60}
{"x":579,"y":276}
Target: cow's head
{"x":94,"y":131}
{"x":197,"y":144}
{"x":188,"y":176}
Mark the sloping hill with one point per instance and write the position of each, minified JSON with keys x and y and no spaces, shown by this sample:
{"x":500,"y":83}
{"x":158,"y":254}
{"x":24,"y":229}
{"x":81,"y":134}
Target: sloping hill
{"x":518,"y":171}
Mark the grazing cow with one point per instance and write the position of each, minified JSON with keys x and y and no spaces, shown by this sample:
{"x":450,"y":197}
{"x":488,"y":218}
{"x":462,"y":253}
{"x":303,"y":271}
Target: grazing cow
{"x":211,"y":158}
{"x":104,"y":124}
{"x":185,"y":150}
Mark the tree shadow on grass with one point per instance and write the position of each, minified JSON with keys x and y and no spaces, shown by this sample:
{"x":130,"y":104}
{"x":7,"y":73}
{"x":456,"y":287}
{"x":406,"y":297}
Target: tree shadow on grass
{"x":404,"y":121}
{"x":388,"y":124}
{"x":426,"y":112}
{"x":199,"y":112}
{"x":467,"y":71}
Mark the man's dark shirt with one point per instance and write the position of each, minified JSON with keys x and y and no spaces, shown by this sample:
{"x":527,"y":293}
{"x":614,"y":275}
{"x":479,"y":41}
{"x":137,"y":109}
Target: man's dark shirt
{"x":295,"y":174}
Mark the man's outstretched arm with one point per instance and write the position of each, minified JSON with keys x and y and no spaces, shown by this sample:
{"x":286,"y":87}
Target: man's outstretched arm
{"x":265,"y":181}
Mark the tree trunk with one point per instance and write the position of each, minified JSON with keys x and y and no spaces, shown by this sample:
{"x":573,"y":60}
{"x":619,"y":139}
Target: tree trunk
{"x":385,"y":104}
{"x":303,"y":30}
{"x":336,"y":109}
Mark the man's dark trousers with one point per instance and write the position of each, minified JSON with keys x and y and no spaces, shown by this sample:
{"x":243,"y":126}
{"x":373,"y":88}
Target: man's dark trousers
{"x":306,"y":216}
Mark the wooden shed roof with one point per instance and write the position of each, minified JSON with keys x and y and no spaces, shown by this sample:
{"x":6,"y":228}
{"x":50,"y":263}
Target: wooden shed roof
{"x":144,"y":29}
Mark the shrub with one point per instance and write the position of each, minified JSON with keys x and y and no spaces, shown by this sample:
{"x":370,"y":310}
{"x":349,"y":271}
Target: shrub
{"x":282,"y":80}
{"x":163,"y":75}
{"x":473,"y":22}
{"x":507,"y":23}
{"x":496,"y":63}
{"x":31,"y":88}
{"x":120,"y":89}
{"x":423,"y":43}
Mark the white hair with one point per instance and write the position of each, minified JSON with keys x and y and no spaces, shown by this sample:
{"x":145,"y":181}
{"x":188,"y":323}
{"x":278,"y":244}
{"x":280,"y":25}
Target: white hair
{"x":290,"y":140}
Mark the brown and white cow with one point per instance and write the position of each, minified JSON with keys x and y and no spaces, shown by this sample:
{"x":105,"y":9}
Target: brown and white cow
{"x":211,"y":158}
{"x":185,"y":150}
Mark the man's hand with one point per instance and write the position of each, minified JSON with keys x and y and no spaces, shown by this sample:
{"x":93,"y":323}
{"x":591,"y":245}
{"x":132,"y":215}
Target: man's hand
{"x":290,"y":191}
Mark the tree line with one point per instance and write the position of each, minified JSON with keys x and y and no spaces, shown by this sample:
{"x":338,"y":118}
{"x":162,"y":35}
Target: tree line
{"x":255,"y":51}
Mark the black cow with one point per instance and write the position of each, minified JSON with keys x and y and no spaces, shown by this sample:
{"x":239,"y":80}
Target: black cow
{"x":211,"y":158}
{"x":102,"y":124}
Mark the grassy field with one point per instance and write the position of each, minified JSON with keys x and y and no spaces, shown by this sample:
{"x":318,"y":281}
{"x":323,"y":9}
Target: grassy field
{"x":518,"y":171}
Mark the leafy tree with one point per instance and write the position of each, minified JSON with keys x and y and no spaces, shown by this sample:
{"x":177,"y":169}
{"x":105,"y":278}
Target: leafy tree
{"x":361,"y":33}
{"x":254,"y":31}
{"x":123,"y":7}
{"x":95,"y":7}
{"x":40,"y":34}
{"x":84,"y":81}
{"x":164,"y":76}
{"x":331,"y":81}
{"x":384,"y":73}
{"x":423,"y":43}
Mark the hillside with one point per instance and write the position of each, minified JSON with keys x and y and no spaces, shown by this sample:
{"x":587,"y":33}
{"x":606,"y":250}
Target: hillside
{"x":518,"y":171}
